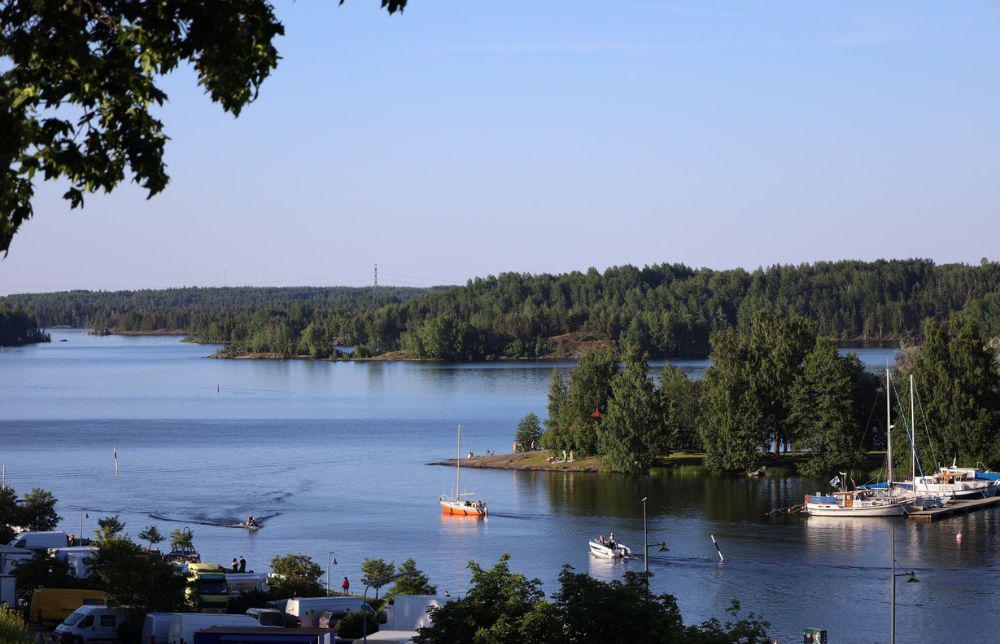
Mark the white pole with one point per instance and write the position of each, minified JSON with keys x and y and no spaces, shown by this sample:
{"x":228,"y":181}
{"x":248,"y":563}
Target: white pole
{"x":913,"y":438}
{"x":717,"y":549}
{"x":888,"y":427}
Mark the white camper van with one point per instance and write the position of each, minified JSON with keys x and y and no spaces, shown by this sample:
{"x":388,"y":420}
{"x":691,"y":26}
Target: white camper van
{"x":10,"y":557}
{"x":77,"y":557}
{"x":91,"y":624}
{"x":40,"y":540}
{"x":298,"y":608}
{"x":183,"y":626}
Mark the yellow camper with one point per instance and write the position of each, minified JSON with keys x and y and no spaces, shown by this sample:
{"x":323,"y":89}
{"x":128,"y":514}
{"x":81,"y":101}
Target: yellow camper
{"x":50,"y":606}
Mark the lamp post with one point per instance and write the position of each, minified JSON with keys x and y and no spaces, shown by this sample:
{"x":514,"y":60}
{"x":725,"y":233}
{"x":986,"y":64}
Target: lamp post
{"x":378,"y":583}
{"x":331,"y":561}
{"x":912,"y":578}
{"x":645,"y":543}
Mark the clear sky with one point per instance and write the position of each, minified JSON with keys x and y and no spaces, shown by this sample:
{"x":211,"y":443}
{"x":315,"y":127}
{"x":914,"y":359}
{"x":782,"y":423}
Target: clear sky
{"x":468,"y":138}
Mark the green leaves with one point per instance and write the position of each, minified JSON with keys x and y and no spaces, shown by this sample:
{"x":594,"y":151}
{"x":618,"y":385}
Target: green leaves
{"x":101,"y":61}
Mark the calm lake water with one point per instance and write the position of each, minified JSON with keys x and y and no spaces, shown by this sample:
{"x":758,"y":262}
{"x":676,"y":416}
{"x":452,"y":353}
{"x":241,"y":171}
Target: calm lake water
{"x":335,"y":456}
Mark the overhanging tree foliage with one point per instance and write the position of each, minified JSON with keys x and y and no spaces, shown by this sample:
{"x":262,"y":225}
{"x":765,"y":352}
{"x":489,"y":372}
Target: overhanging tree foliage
{"x":81,"y":81}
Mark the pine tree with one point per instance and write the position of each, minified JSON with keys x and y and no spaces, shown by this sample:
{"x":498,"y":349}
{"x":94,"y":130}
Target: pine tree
{"x":632,"y":428}
{"x":822,"y":410}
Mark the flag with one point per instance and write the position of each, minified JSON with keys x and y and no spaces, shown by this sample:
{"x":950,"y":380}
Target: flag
{"x":835,"y":481}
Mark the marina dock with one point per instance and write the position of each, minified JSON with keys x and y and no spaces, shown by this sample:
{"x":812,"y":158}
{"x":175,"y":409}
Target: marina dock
{"x":953,"y":509}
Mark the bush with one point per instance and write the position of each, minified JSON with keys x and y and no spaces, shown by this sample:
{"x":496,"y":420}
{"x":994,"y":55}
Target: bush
{"x":353,"y":624}
{"x":13,"y":630}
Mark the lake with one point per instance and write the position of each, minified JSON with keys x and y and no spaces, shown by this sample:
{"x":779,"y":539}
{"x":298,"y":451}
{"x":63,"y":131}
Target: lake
{"x":335,"y":457}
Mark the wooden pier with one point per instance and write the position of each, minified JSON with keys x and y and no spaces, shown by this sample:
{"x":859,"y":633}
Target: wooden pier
{"x":953,"y":509}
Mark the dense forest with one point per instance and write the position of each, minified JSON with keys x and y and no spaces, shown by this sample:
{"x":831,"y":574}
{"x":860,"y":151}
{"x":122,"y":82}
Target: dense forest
{"x":18,"y":327}
{"x":666,"y":309}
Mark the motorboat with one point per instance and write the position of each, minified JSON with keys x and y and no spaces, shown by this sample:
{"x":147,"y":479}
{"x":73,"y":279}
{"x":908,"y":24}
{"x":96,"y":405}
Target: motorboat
{"x":608,"y":551}
{"x":463,"y":503}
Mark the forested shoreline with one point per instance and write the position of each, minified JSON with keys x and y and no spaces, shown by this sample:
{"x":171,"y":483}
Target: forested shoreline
{"x":776,"y":387}
{"x":668,"y":310}
{"x":18,"y":328}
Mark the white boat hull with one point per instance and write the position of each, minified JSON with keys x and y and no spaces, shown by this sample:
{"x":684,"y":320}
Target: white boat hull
{"x":822,"y":510}
{"x":618,"y":552}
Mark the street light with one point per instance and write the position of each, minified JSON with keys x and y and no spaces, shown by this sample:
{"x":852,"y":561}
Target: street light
{"x":331,"y":560}
{"x":378,"y":583}
{"x":911,"y":578}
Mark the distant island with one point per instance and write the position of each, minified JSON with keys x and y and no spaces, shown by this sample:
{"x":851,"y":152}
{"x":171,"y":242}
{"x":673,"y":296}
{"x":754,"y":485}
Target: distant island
{"x":668,"y":310}
{"x":18,"y":328}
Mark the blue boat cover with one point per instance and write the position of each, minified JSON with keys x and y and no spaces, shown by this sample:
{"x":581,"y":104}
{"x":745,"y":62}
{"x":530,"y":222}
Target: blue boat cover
{"x":988,"y":476}
{"x":824,"y":499}
{"x":874,"y":486}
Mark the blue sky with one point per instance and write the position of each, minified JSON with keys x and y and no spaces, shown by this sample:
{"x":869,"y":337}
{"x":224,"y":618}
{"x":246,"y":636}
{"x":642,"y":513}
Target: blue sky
{"x":469,"y":138}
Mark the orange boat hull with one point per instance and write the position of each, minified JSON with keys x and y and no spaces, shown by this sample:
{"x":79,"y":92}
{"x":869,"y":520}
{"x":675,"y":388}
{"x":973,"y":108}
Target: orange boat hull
{"x":459,"y":509}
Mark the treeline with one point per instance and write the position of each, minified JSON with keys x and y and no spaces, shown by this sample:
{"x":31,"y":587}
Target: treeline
{"x":17,"y":327}
{"x":780,"y":386}
{"x":666,"y":309}
{"x":285,"y":320}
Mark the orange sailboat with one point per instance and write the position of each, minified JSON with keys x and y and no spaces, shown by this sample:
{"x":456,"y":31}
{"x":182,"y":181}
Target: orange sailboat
{"x":463,"y":503}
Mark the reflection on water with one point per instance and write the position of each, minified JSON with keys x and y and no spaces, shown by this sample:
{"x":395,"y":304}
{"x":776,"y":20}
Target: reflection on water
{"x":335,"y":456}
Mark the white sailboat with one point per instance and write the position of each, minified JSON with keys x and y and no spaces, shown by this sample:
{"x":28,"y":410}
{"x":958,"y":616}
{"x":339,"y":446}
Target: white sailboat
{"x":873,"y":502}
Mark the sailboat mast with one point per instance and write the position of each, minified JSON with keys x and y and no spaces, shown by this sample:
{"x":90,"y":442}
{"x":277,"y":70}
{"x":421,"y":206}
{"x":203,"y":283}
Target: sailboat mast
{"x":888,"y":426}
{"x":913,"y":438}
{"x":458,"y":465}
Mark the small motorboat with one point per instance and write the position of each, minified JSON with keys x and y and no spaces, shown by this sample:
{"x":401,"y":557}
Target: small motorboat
{"x":608,"y":551}
{"x":249,"y":527}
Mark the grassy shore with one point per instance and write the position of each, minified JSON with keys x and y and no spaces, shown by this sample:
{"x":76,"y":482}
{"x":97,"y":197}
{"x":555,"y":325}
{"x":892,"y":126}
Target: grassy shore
{"x":539,"y":462}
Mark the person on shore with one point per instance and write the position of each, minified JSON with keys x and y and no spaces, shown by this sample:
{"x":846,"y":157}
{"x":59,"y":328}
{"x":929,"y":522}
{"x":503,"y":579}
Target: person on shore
{"x":243,"y":564}
{"x":571,"y":459}
{"x":236,"y":565}
{"x":345,"y":586}
{"x":514,"y":451}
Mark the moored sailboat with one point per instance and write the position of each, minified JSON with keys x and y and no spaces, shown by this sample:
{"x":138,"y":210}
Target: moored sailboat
{"x":876,"y":501}
{"x":457,"y":505}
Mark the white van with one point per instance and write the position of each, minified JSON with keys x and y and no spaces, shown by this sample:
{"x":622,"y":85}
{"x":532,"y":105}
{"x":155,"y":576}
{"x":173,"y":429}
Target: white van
{"x":90,"y":624}
{"x":156,"y":628}
{"x":183,"y":626}
{"x":298,"y":607}
{"x":77,"y":557}
{"x":40,"y":540}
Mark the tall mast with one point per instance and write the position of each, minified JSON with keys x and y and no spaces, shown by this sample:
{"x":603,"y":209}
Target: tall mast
{"x":888,"y":426}
{"x":458,"y":465}
{"x":913,"y":438}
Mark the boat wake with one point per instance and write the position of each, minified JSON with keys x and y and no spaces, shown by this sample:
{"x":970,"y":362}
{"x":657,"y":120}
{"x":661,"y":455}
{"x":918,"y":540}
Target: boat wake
{"x":217,"y":521}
